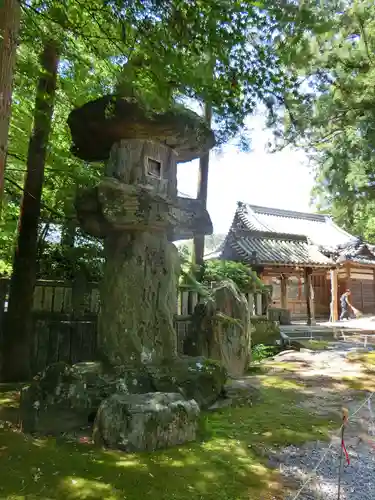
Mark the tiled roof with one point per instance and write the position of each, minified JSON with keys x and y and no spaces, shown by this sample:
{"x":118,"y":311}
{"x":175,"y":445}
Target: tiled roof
{"x":317,"y":228}
{"x":262,"y":248}
{"x":272,"y":236}
{"x":356,"y":251}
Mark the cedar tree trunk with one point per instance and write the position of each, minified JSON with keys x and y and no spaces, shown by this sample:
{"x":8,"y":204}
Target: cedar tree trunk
{"x":16,"y":348}
{"x":9,"y":26}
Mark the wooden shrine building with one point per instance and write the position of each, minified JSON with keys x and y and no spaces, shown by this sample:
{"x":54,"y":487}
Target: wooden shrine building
{"x":307,"y":259}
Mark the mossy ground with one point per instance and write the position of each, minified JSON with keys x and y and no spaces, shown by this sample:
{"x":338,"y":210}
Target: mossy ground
{"x":228,"y":463}
{"x":366,"y":380}
{"x":316,"y":345}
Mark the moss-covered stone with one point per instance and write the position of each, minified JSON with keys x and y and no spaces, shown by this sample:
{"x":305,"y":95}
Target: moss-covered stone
{"x":62,"y":398}
{"x":264,"y":331}
{"x":145,"y":422}
{"x":99,"y":124}
{"x":220,"y":329}
{"x":195,"y":378}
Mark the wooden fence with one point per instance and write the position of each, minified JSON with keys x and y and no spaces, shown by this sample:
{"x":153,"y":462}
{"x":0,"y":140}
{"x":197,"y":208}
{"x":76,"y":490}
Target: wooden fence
{"x":65,"y":319}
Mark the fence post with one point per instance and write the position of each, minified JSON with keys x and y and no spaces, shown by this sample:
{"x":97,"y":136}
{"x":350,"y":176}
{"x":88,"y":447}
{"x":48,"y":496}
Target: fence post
{"x":193,"y":301}
{"x":184,"y":302}
{"x":79,"y":290}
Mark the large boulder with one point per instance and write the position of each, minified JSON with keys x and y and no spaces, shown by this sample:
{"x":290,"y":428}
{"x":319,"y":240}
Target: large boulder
{"x":220,"y":329}
{"x":195,"y":378}
{"x":63,"y":398}
{"x":238,"y":393}
{"x":145,"y":422}
{"x":264,"y":331}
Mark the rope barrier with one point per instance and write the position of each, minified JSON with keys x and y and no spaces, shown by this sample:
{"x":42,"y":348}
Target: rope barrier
{"x":330,"y":446}
{"x":342,"y":450}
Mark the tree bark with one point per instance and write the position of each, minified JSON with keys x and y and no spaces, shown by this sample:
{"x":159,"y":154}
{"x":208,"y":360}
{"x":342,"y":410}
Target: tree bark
{"x":204,"y":160}
{"x":10,"y":11}
{"x":16,"y":348}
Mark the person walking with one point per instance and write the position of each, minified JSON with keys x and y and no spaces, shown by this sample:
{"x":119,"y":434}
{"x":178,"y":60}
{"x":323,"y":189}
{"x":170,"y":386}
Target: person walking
{"x":346,"y":306}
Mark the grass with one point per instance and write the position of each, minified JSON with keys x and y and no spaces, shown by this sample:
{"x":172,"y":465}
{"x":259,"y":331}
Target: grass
{"x":366,"y":358}
{"x":366,"y":380}
{"x":226,"y":464}
{"x":315,"y":345}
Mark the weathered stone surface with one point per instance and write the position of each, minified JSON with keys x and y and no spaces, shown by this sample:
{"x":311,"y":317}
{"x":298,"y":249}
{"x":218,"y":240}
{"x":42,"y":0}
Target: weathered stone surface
{"x":99,"y":124}
{"x":196,"y":378}
{"x":238,"y":393}
{"x":264,"y":331}
{"x":46,"y":404}
{"x":142,"y":266}
{"x":114,"y":206}
{"x":221,"y":329}
{"x":145,"y":422}
{"x":63,"y":397}
{"x":138,"y":299}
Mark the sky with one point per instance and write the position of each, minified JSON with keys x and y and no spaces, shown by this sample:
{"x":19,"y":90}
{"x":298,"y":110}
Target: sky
{"x":278,"y":180}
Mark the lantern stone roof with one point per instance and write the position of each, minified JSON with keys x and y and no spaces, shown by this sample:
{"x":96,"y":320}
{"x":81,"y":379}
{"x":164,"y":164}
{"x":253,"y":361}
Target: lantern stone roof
{"x":99,"y":124}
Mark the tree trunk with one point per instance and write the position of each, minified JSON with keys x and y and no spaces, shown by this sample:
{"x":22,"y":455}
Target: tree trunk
{"x":198,"y":251}
{"x":16,"y":349}
{"x":10,"y":11}
{"x":68,"y":234}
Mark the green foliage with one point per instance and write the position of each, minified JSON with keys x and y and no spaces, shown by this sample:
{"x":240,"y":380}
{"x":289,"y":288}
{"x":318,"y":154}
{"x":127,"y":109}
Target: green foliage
{"x":220,"y":270}
{"x":227,"y":53}
{"x":334,"y":122}
{"x":261,"y":352}
{"x":59,"y":263}
{"x":8,"y":227}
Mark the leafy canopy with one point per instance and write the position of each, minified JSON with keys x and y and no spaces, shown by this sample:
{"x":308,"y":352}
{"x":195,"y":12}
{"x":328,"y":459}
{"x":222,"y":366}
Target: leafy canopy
{"x":228,"y":53}
{"x":334,"y":121}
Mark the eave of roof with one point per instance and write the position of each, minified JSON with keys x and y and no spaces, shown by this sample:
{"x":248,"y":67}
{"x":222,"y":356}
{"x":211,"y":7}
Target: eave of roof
{"x":318,"y":228}
{"x":278,"y":251}
{"x":357,"y":260}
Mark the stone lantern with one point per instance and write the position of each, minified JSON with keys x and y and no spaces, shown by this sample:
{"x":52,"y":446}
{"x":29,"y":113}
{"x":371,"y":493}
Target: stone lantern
{"x":135,"y":209}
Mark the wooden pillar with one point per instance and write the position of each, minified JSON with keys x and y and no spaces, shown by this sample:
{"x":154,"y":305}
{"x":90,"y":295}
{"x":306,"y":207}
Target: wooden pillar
{"x":284,"y":292}
{"x":308,"y":296}
{"x":250,"y":301}
{"x":312,"y":302}
{"x":258,"y":308}
{"x":334,"y":296}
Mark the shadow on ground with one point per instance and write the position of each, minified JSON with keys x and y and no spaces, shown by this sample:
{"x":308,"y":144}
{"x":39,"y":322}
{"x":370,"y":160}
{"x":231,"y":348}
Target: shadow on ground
{"x":230,"y":462}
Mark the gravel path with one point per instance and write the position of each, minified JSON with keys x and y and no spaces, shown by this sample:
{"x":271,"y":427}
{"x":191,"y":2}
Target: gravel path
{"x":298,"y":463}
{"x":357,"y":479}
